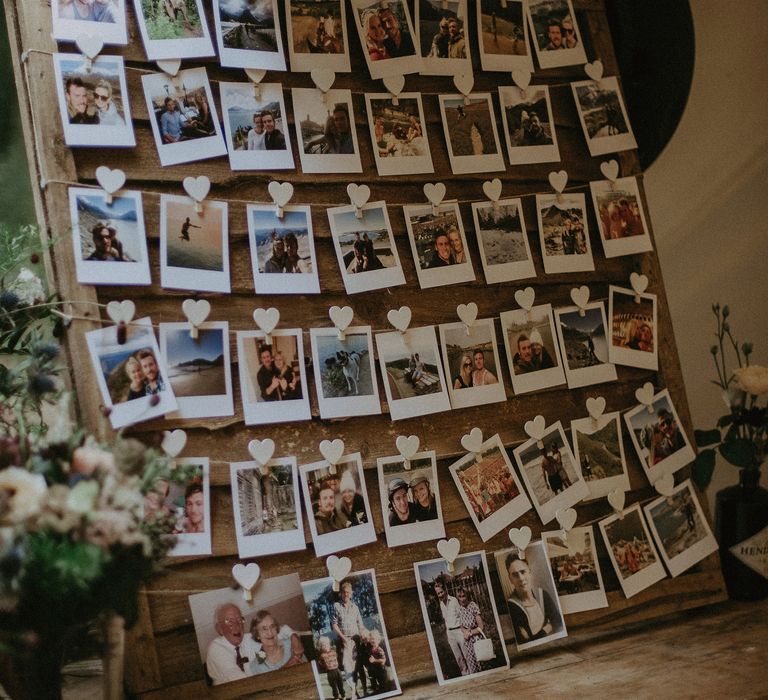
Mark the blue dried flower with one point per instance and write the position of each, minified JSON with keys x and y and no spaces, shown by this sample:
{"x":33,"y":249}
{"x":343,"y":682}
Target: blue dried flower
{"x":47,"y":351}
{"x":41,"y":384}
{"x":9,"y":300}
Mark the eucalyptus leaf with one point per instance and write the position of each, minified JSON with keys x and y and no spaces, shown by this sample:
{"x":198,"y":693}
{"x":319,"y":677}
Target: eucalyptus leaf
{"x":723,"y":421}
{"x":707,"y":437}
{"x":703,"y":468}
{"x":740,"y":452}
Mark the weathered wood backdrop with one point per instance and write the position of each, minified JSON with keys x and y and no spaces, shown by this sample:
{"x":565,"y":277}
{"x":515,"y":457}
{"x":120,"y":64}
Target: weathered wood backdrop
{"x":162,"y":657}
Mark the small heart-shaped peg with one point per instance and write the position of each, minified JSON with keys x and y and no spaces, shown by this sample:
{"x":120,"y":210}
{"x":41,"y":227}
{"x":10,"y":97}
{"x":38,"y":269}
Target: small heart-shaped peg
{"x":255,"y":75}
{"x":594,"y":70}
{"x":521,"y":78}
{"x":520,"y":537}
{"x":246,"y":575}
{"x":338,"y":567}
{"x":89,"y":45}
{"x":121,"y":311}
{"x":341,"y":316}
{"x":525,"y":298}
{"x":169,"y":66}
{"x":638,"y":282}
{"x":197,"y":187}
{"x":449,"y":549}
{"x":558,"y":179}
{"x":617,"y":498}
{"x":261,"y":450}
{"x":281,"y":192}
{"x":595,"y":407}
{"x":566,"y":518}
{"x":492,"y":189}
{"x":645,"y":394}
{"x":173,"y":442}
{"x":322,"y":78}
{"x":580,"y":296}
{"x":196,"y":311}
{"x":394,"y":84}
{"x":536,"y":428}
{"x":467,"y":313}
{"x":110,"y":180}
{"x":266,"y":319}
{"x":665,"y":485}
{"x":610,"y":168}
{"x":407,"y":446}
{"x":358,"y":194}
{"x":332,"y":450}
{"x":473,"y":440}
{"x":435,"y":192}
{"x":464,"y":83}
{"x":400,"y":318}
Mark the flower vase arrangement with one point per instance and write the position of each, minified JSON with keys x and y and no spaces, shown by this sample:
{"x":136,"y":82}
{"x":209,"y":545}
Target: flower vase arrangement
{"x":740,"y":438}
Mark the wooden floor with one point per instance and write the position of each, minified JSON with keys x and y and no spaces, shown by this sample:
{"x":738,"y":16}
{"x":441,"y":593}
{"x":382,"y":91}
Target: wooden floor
{"x":716,"y":652}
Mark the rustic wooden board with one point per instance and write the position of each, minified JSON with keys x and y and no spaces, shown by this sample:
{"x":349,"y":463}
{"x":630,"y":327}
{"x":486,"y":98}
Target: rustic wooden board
{"x":162,"y":659}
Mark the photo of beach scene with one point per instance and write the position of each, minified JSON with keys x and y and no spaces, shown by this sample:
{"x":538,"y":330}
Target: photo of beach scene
{"x":196,"y":365}
{"x":199,"y":245}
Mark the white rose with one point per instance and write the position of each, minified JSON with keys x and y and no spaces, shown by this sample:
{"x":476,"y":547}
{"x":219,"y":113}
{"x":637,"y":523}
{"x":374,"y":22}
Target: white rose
{"x":24,"y":491}
{"x":28,"y":287}
{"x":753,"y":380}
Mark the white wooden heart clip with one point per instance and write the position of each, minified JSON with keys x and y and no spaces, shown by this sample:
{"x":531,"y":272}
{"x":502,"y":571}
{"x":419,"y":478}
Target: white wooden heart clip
{"x":247,"y":576}
{"x":266,"y":320}
{"x":262,"y":451}
{"x":281,"y":193}
{"x":359,"y":196}
{"x":110,"y":180}
{"x":341,"y":317}
{"x":173,"y":442}
{"x":449,"y":550}
{"x":407,"y":447}
{"x":196,"y":312}
{"x":332,"y":451}
{"x":338,"y":569}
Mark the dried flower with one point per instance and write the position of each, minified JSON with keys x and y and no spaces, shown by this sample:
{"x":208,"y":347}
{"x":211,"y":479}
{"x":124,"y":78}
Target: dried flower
{"x":82,"y":498}
{"x":747,"y":348}
{"x":130,"y":456}
{"x":55,"y":513}
{"x":88,"y":459}
{"x":41,"y":384}
{"x":28,"y":287}
{"x":713,"y":349}
{"x":25,"y":492}
{"x":9,"y":300}
{"x":47,"y":351}
{"x":753,"y":380}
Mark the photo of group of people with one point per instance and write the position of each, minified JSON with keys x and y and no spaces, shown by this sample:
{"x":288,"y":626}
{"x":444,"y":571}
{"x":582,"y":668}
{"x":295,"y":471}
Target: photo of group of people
{"x":620,"y":216}
{"x":387,"y":36}
{"x":248,"y":34}
{"x":443,"y":46}
{"x":469,"y":124}
{"x":529,"y":125}
{"x":317,"y":35}
{"x":633,"y":328}
{"x":603,"y":116}
{"x":503,"y":35}
{"x":555,"y":33}
{"x":564,"y":233}
{"x":398,"y":133}
{"x":599,"y":452}
{"x":583,"y":342}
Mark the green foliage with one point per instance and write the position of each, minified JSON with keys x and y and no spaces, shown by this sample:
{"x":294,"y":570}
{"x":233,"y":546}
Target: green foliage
{"x":703,"y":468}
{"x":740,"y":452}
{"x":706,"y":437}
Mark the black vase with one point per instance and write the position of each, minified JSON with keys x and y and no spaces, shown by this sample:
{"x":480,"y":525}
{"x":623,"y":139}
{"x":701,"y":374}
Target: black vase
{"x":740,"y":512}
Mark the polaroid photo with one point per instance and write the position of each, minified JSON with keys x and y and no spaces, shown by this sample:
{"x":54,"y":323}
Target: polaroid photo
{"x":105,"y":18}
{"x":529,"y":125}
{"x":471,"y":360}
{"x":273,"y":380}
{"x":533,"y":353}
{"x":413,"y":374}
{"x":551,"y":473}
{"x":190,"y":503}
{"x":365,"y":247}
{"x":576,"y":569}
{"x":267,"y":509}
{"x":183,"y":116}
{"x":345,"y":372}
{"x":173,"y":29}
{"x":248,"y":34}
{"x":354,"y":612}
{"x":280,"y":247}
{"x":194,"y":248}
{"x":326,"y":131}
{"x":631,"y":550}
{"x":199,"y":369}
{"x":584,"y":345}
{"x":599,"y":452}
{"x":470,"y":131}
{"x":621,"y":217}
{"x":680,"y":529}
{"x":460,"y":617}
{"x":439,"y":244}
{"x":634,"y":329}
{"x":398,"y":133}
{"x":503,"y":36}
{"x":130,"y":375}
{"x":659,"y":440}
{"x":443,"y":44}
{"x":336,"y":499}
{"x":317,"y":35}
{"x":603,"y":116}
{"x":410,"y":499}
{"x":387,"y":37}
{"x":110,"y":244}
{"x":93,"y":102}
{"x":531,"y":593}
{"x":489,"y":488}
{"x":564,"y":233}
{"x":555,"y":34}
{"x":256,"y":129}
{"x":238,"y":639}
{"x":503,"y":241}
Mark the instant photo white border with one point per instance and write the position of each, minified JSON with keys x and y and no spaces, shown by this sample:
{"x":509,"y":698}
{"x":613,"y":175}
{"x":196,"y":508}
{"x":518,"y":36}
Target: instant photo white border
{"x":202,"y":405}
{"x":281,"y":282}
{"x":584,"y":376}
{"x":599,"y":145}
{"x":385,"y":641}
{"x":474,"y":395}
{"x":353,"y":536}
{"x":250,"y":58}
{"x":136,"y":410}
{"x":564,"y":57}
{"x":484,"y":163}
{"x":262,"y":159}
{"x":399,"y":165}
{"x":109,"y":32}
{"x":441,"y":679}
{"x":193,"y":47}
{"x":677,"y":460}
{"x":448,"y":274}
{"x":370,"y":279}
{"x":269,"y":542}
{"x":503,"y":272}
{"x":345,"y":406}
{"x":696,"y":552}
{"x":553,"y":264}
{"x":509,"y":512}
{"x":565,"y":499}
{"x":503,"y":62}
{"x":94,"y":134}
{"x":543,"y":378}
{"x":188,"y":277}
{"x":190,"y":544}
{"x":268,"y":412}
{"x":192,"y":149}
{"x":306,"y":62}
{"x":613,"y":248}
{"x":521,"y":155}
{"x":108,"y":271}
{"x":586,"y":600}
{"x":412,"y":406}
{"x":627,"y":356}
{"x":445,"y":66}
{"x":326,"y":162}
{"x":600,"y":488}
{"x":421,"y":531}
{"x":646,"y":577}
{"x":400,"y":65}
